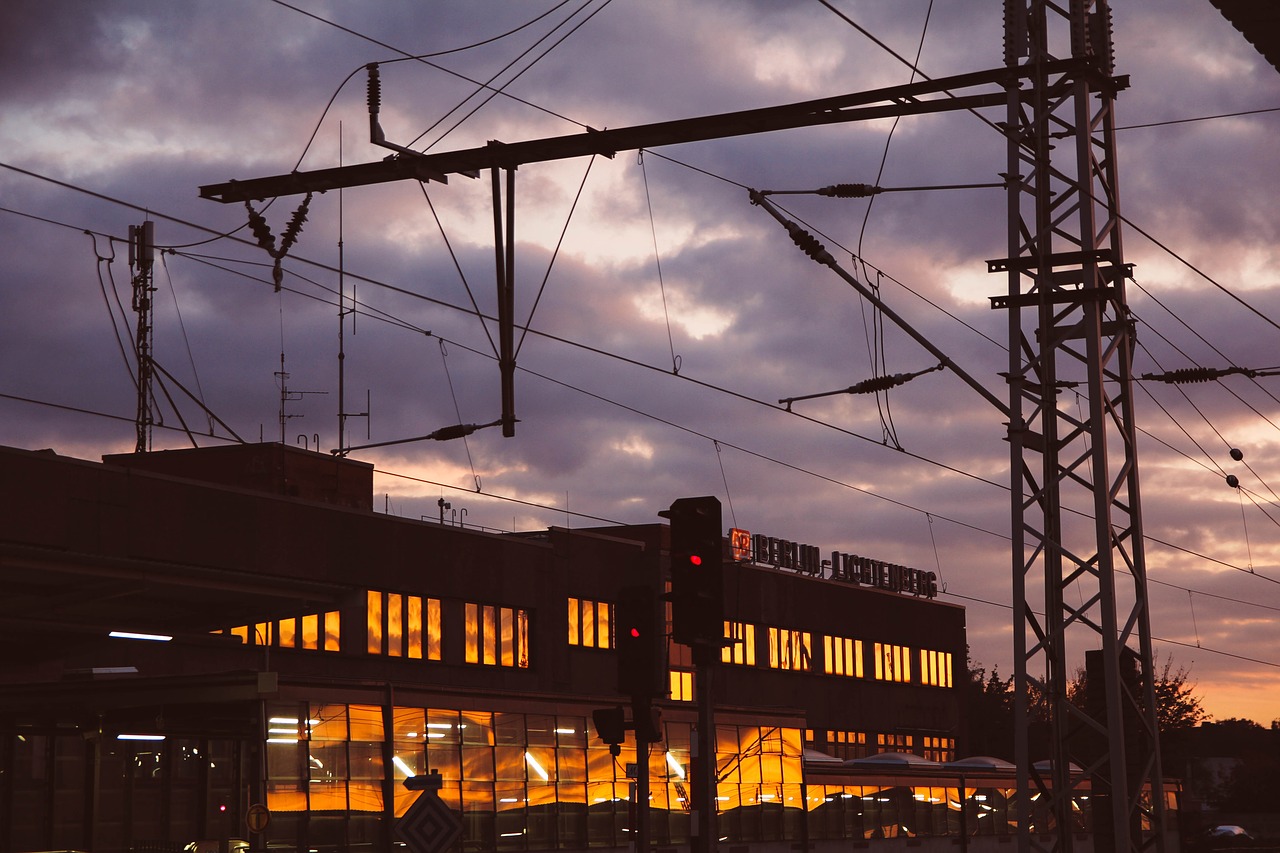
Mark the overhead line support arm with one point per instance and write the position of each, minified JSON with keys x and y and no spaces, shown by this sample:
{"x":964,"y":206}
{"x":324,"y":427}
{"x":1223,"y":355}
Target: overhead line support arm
{"x":910,"y":99}
{"x":819,"y":253}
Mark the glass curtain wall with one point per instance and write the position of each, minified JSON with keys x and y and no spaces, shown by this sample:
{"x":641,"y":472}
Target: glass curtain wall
{"x":520,"y":781}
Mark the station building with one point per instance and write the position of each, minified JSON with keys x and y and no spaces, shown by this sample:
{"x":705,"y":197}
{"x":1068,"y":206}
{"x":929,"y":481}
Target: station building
{"x":191,"y":636}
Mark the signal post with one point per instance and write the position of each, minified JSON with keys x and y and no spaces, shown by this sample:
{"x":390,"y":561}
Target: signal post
{"x":697,"y":620}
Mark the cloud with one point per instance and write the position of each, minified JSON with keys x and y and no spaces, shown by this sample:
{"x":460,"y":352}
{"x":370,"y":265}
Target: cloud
{"x":635,"y":387}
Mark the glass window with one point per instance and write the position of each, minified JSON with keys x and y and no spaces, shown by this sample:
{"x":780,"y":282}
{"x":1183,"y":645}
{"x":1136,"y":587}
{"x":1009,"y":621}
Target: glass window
{"x":310,"y":632}
{"x":413,"y":626}
{"x":333,"y":631}
{"x":842,"y":656}
{"x":496,"y":636}
{"x":328,"y":722}
{"x":373,"y":620}
{"x":892,"y":663}
{"x":365,"y":722}
{"x":541,"y":729}
{"x":789,"y":649}
{"x":400,"y":625}
{"x":741,"y":645}
{"x":509,"y":764}
{"x":682,"y":685}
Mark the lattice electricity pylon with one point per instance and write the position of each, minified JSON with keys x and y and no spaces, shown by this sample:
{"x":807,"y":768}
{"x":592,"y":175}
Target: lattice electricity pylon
{"x":1079,"y":576}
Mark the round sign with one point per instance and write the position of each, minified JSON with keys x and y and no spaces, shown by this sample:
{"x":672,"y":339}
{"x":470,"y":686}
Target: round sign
{"x":257,"y":818}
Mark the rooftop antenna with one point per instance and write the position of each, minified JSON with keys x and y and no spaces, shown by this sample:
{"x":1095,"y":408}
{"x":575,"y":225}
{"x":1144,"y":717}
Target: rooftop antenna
{"x":142,"y":261}
{"x":287,"y":396}
{"x":343,"y":311}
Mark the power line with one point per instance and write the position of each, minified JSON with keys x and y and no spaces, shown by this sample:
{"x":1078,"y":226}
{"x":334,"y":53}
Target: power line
{"x":423,"y":58}
{"x":1199,"y":118}
{"x":708,"y":173}
{"x":442,"y":303}
{"x":516,"y":76}
{"x":1201,"y":273}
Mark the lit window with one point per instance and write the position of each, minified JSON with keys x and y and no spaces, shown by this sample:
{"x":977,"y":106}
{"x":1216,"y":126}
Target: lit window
{"x":895,"y":742}
{"x":939,"y":748}
{"x":740,"y":647}
{"x":893,"y":663}
{"x":402,"y":625}
{"x":590,"y":623}
{"x":302,"y":632}
{"x":788,"y":649}
{"x":496,"y":636}
{"x":847,"y":744}
{"x":935,"y":668}
{"x":682,"y":685}
{"x":842,"y":656}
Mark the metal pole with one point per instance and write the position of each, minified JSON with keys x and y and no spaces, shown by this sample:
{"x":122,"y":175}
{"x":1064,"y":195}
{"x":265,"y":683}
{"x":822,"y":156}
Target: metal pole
{"x":705,"y":804}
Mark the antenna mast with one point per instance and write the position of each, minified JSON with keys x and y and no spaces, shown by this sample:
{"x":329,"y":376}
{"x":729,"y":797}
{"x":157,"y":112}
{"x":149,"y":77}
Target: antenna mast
{"x":287,"y":396}
{"x":342,"y":317}
{"x":343,"y":311}
{"x":142,"y":262}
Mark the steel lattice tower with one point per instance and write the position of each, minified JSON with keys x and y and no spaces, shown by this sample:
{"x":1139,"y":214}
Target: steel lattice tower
{"x":1079,"y":574}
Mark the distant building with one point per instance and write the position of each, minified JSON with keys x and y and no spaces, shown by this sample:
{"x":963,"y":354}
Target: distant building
{"x":320,"y":653}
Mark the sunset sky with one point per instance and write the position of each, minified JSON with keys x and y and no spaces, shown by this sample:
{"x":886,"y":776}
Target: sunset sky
{"x":667,"y":315}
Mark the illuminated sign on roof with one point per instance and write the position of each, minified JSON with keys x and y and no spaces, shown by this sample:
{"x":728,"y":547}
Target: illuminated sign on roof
{"x":848,"y":568}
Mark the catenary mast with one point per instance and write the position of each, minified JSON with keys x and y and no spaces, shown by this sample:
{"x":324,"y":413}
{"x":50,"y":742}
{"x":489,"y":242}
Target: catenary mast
{"x":1079,"y":576}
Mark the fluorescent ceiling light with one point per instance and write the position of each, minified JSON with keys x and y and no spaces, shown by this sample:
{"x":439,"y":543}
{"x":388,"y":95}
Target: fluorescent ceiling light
{"x":536,"y":767}
{"x":136,"y":635}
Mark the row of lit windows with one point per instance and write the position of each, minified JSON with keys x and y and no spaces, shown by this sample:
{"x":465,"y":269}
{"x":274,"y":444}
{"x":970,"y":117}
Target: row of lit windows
{"x":935,"y":668}
{"x":893,"y":663}
{"x":409,"y":626}
{"x":843,"y":656}
{"x":590,"y":623}
{"x":317,"y":632}
{"x":842,"y":744}
{"x":334,"y":757}
{"x":895,"y":742}
{"x":849,"y":745}
{"x":402,"y":625}
{"x":740,"y":643}
{"x":939,"y":749}
{"x":790,"y":649}
{"x":497,"y":636}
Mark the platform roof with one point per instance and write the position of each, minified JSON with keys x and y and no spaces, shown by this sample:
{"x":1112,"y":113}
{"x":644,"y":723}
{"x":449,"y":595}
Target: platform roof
{"x":1258,"y":21}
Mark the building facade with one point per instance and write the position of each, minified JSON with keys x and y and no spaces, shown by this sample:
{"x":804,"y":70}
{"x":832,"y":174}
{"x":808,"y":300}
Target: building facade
{"x":193,"y":636}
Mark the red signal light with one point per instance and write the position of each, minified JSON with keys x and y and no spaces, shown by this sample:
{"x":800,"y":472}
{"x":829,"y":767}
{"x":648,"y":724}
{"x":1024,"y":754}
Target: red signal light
{"x":635,"y":632}
{"x":695,"y":560}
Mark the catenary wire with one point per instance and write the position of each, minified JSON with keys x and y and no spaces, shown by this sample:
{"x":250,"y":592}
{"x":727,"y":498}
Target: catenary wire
{"x":813,"y":420}
{"x":1179,"y":319}
{"x":405,"y":56}
{"x":449,"y":305}
{"x":1201,"y":273}
{"x":102,"y":286}
{"x":717,"y":176}
{"x":79,"y":189}
{"x":494,"y":92}
{"x":876,"y":350}
{"x":1168,"y":122}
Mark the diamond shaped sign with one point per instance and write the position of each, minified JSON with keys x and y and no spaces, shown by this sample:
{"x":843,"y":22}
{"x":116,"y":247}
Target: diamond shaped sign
{"x":429,"y":826}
